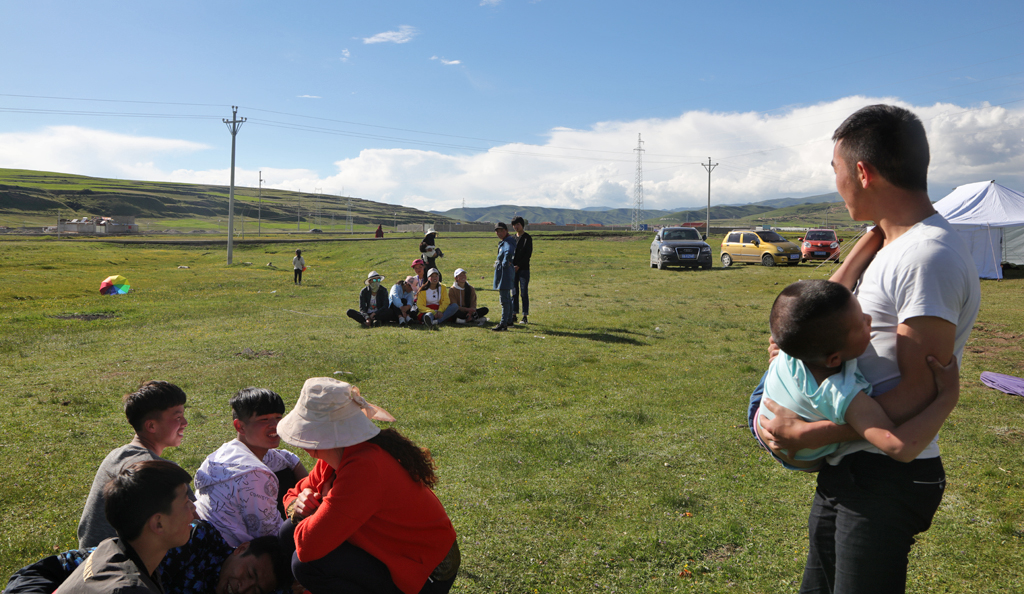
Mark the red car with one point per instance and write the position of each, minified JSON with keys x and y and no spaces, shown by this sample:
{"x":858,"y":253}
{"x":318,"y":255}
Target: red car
{"x":820,"y":244}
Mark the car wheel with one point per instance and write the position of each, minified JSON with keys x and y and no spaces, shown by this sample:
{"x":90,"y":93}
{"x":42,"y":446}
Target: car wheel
{"x":767,"y":260}
{"x":706,"y":266}
{"x":803,"y":259}
{"x":661,"y":265}
{"x":653,"y":265}
{"x":726,"y":260}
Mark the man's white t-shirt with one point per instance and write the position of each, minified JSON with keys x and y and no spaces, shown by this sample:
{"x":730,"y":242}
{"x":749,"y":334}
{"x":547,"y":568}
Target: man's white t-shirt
{"x":927,"y":271}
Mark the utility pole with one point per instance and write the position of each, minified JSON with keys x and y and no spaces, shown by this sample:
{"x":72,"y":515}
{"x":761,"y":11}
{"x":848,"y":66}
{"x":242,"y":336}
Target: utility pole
{"x":709,"y":167}
{"x":638,"y":187}
{"x":234,"y":124}
{"x":259,"y":216}
{"x":298,"y":215}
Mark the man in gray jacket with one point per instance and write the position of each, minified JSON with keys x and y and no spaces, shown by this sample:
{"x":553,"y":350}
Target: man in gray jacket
{"x":157,"y":413}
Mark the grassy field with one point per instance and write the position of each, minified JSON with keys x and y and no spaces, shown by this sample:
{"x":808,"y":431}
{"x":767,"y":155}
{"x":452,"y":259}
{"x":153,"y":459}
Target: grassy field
{"x":603,"y":448}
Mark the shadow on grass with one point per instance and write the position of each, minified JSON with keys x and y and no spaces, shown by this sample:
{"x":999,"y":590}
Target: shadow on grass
{"x":605,"y":335}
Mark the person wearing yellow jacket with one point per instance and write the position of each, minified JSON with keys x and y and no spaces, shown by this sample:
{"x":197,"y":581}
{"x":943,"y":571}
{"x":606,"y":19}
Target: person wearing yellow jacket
{"x":433,"y":302}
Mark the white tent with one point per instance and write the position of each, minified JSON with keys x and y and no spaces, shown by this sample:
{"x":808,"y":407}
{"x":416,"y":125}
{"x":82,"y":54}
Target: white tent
{"x":990,"y":219}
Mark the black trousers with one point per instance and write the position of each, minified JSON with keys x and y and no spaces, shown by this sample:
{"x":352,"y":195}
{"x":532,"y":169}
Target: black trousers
{"x":866,"y":512}
{"x":298,"y":275}
{"x":383,"y":315}
{"x":348,"y":569}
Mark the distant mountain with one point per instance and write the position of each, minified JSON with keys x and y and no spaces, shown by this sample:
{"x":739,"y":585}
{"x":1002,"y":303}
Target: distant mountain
{"x":740,"y":211}
{"x":540,"y":214}
{"x":39,"y":192}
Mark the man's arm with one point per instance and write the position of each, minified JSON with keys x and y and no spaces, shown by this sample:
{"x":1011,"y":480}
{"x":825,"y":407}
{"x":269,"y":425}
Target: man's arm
{"x":856,"y":262}
{"x":916,"y":339}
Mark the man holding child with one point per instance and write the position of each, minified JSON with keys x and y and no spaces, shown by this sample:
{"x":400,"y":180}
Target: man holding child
{"x":922,"y":293}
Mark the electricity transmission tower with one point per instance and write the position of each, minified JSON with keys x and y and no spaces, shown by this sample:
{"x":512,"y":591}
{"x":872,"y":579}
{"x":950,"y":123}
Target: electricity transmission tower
{"x":638,"y":188}
{"x":709,"y":167}
{"x":234,"y":124}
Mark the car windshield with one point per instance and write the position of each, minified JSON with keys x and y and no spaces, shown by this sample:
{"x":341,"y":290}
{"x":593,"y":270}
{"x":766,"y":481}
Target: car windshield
{"x":680,"y":235}
{"x":820,"y":236}
{"x":770,"y":236}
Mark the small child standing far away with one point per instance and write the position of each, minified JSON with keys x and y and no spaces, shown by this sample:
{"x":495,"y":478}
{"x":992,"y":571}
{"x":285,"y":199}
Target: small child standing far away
{"x":821,"y":330}
{"x":299,"y":265}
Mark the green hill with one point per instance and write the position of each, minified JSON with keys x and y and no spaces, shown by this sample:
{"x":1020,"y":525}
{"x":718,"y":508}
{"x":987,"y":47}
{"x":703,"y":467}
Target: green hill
{"x":40,"y":195}
{"x":540,"y":214}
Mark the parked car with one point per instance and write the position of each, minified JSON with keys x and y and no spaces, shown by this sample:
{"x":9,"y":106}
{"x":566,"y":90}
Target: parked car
{"x":820,"y":244}
{"x":680,"y":246}
{"x":767,"y":247}
{"x":315,"y":231}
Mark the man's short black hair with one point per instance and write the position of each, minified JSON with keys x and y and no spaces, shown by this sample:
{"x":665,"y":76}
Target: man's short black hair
{"x":890,"y":139}
{"x":807,"y":319}
{"x":518,"y":220}
{"x":253,"y":402}
{"x":145,"y":488}
{"x":152,"y":397}
{"x":280,"y":559}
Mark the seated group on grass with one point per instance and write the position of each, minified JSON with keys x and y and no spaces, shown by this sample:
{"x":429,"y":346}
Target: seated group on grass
{"x":366,"y":519}
{"x":421,"y":298}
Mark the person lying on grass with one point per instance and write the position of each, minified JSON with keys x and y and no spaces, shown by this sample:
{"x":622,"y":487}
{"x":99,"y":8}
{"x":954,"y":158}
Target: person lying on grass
{"x":821,"y":330}
{"x":206,"y":564}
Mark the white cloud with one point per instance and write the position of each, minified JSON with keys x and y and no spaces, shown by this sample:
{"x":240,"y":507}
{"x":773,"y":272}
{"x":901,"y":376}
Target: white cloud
{"x":345,"y":55}
{"x":446,"y":62}
{"x":490,"y":2}
{"x":309,"y":97}
{"x":404,"y":34}
{"x":74,"y":149}
{"x":760,"y":156}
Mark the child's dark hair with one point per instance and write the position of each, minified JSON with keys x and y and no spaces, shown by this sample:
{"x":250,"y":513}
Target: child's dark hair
{"x":138,"y":492}
{"x":414,"y":459}
{"x":254,"y":402}
{"x":152,"y":397}
{"x":807,"y":319}
{"x":298,"y":252}
{"x":519,"y":220}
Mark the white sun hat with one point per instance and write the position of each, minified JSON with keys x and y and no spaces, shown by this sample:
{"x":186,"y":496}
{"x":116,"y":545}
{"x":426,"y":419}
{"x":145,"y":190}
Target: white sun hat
{"x":330,"y":414}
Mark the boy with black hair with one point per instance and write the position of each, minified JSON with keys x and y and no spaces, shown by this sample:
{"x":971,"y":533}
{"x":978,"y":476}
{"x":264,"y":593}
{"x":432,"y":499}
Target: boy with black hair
{"x":157,"y":413}
{"x":821,"y":330}
{"x":521,"y":263}
{"x":147,"y":503}
{"x":240,"y":485}
{"x":206,"y":564}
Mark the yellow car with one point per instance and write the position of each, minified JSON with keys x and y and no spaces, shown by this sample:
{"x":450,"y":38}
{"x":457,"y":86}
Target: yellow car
{"x":767,"y":247}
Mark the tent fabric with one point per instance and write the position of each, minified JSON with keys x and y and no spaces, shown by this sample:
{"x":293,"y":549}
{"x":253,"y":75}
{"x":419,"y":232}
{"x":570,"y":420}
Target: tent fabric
{"x":983,"y":203}
{"x":990,"y":219}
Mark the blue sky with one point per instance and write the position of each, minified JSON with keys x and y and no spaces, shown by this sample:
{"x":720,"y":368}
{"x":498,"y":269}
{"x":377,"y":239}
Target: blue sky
{"x":430,"y":104}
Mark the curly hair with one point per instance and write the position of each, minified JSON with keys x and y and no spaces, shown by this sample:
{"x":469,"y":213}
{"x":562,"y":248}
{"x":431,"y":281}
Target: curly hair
{"x":414,"y":459}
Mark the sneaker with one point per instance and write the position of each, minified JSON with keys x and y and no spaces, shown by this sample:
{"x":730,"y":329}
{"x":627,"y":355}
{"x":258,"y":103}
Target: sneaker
{"x":460,"y":320}
{"x":435,"y":322}
{"x":481,"y":321}
{"x":523,"y":321}
{"x":500,"y":328}
{"x":515,"y":318}
{"x":428,"y":320}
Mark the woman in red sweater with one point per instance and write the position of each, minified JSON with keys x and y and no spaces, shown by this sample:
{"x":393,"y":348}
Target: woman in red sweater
{"x":365,"y":519}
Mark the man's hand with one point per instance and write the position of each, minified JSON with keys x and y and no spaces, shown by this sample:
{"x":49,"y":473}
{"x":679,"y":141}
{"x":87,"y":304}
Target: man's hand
{"x":517,"y":269}
{"x":773,"y":349}
{"x":782,"y":429}
{"x":305,"y":504}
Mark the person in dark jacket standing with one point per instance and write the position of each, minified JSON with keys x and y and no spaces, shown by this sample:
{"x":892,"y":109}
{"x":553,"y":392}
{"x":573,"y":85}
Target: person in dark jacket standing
{"x":504,"y":274}
{"x":374,"y":304}
{"x":430,"y":252}
{"x":521,"y":263}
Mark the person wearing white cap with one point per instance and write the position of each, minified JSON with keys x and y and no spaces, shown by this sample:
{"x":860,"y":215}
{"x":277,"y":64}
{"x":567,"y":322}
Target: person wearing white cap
{"x":366,"y":518}
{"x":433,"y":302}
{"x":374,"y":304}
{"x":464,"y":296}
{"x":403,"y":300}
